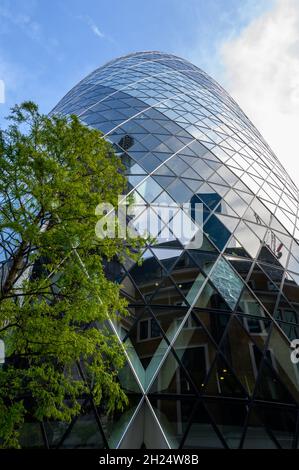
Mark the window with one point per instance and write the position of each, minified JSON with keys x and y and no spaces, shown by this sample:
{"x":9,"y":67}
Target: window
{"x":148,"y":329}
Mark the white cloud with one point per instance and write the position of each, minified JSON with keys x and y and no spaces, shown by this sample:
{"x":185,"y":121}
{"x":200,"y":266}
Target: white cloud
{"x":96,"y":31}
{"x":94,"y":28}
{"x":262,"y":74}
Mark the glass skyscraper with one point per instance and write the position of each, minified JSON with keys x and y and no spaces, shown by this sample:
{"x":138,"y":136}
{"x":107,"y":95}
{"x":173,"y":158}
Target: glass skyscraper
{"x":208,"y":336}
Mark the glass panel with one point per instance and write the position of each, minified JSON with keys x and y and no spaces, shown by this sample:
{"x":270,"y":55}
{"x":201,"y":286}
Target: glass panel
{"x":201,"y":434}
{"x":179,"y":191}
{"x":237,"y":349}
{"x":169,"y":319}
{"x":230,"y":420}
{"x":256,"y":435}
{"x":173,"y":416}
{"x":149,"y":190}
{"x":281,"y":422}
{"x":146,"y":337}
{"x":248,"y":304}
{"x":222,"y":381}
{"x":227,"y":282}
{"x":55,"y":431}
{"x":114,"y":424}
{"x":130,"y":291}
{"x":167,"y":257}
{"x":264,"y":289}
{"x":167,"y":294}
{"x":210,"y":298}
{"x":257,"y":328}
{"x":247,"y":238}
{"x":149,"y":275}
{"x":214,"y":322}
{"x":288,"y":372}
{"x":127,"y":379}
{"x":172,"y":379}
{"x":84,"y":434}
{"x":269,"y":387}
{"x":195,"y":350}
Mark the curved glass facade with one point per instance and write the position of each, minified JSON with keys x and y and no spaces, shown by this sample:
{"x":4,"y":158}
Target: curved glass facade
{"x":208,"y":336}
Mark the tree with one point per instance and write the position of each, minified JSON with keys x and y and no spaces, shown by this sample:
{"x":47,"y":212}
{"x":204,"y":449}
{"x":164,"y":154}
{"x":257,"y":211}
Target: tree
{"x":55,"y":299}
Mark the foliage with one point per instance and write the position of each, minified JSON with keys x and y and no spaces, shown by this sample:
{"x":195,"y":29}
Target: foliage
{"x":55,"y":300}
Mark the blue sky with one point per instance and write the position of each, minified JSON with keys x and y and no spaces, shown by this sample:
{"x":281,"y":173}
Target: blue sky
{"x":250,"y":46}
{"x":47,"y":47}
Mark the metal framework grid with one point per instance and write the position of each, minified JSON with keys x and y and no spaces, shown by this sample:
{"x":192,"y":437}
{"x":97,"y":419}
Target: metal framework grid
{"x":208,"y":339}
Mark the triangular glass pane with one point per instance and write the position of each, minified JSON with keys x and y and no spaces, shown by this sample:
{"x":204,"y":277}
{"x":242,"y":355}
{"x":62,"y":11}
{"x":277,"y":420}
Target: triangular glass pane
{"x":133,"y":438}
{"x":128,"y":381}
{"x":185,"y":269}
{"x":264,"y":289}
{"x":153,"y":436}
{"x":55,"y":431}
{"x":227,"y":282}
{"x":274,"y":273}
{"x":149,"y":190}
{"x":222,"y":381}
{"x":229,"y":222}
{"x":167,"y":294}
{"x":279,"y":354}
{"x":148,"y":275}
{"x":130,"y":291}
{"x":248,"y":239}
{"x":135,"y":169}
{"x":164,"y":181}
{"x":210,"y":298}
{"x":171,"y":378}
{"x":241,"y":265}
{"x":145,"y":337}
{"x":167,"y":257}
{"x":235,"y":249}
{"x":193,"y":184}
{"x":266,"y":255}
{"x":204,"y":260}
{"x":214,"y":322}
{"x":134,"y":180}
{"x":256,"y":435}
{"x":216,"y":232}
{"x":205,"y":245}
{"x":173,"y":416}
{"x":237,"y":349}
{"x":269,"y":387}
{"x":169,"y":319}
{"x":85,"y":433}
{"x":230,"y":419}
{"x":179,"y":191}
{"x":281,"y":423}
{"x":257,"y":328}
{"x":115,"y":423}
{"x":195,"y":350}
{"x":126,"y":322}
{"x":202,"y":434}
{"x":249,"y":305}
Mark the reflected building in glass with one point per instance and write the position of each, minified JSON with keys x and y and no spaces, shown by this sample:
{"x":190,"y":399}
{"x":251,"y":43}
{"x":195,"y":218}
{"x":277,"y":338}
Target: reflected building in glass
{"x":208,"y":336}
